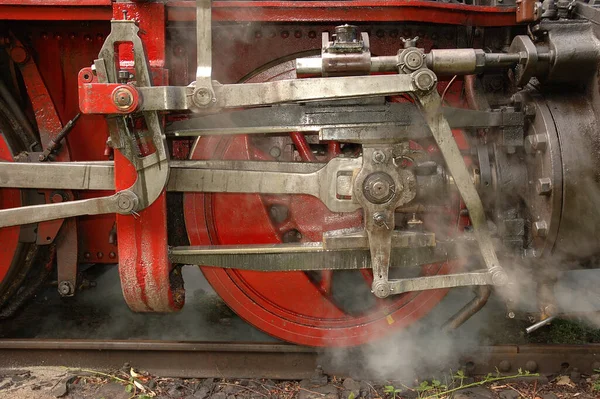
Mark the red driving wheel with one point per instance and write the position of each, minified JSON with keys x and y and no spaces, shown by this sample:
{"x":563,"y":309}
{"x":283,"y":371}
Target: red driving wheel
{"x":315,"y":308}
{"x":9,"y":236}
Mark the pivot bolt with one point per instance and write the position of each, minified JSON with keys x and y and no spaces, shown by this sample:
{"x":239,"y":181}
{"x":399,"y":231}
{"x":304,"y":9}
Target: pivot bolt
{"x":65,"y":288}
{"x":381,"y":289}
{"x":203,"y":97}
{"x":123,"y":98}
{"x":424,"y":80}
{"x":379,"y":188}
{"x":540,"y":229}
{"x":127,"y":201}
{"x":412,"y":59}
{"x":543,"y":186}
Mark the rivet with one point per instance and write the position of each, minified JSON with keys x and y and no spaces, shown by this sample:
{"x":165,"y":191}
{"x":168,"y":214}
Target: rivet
{"x":297,"y":34}
{"x":504,"y":366}
{"x":531,"y":366}
{"x":87,"y":255}
{"x":112,"y":255}
{"x":100,"y":255}
{"x":312,"y":34}
{"x":285,"y":34}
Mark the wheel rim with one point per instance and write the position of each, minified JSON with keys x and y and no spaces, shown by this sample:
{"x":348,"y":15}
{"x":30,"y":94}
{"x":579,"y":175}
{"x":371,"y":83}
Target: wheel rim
{"x":9,"y":236}
{"x":293,"y":306}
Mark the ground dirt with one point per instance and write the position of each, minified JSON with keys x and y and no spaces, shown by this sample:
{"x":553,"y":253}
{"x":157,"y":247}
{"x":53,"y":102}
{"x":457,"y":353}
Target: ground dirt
{"x":53,"y":382}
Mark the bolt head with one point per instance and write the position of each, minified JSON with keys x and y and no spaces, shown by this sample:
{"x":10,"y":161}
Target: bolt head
{"x":123,"y":98}
{"x":379,"y":189}
{"x":65,"y":288}
{"x":504,"y":366}
{"x":202,"y":97}
{"x":540,"y":229}
{"x":543,"y":186}
{"x":379,"y":219}
{"x":413,"y":59}
{"x":537,"y":142}
{"x":381,"y":289}
{"x":424,"y":80}
{"x":531,"y":366}
{"x":378,"y":156}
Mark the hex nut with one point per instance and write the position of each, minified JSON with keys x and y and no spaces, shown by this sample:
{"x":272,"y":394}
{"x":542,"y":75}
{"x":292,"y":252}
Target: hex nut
{"x":540,"y":229}
{"x":378,"y":156}
{"x":537,"y":142}
{"x":543,"y":186}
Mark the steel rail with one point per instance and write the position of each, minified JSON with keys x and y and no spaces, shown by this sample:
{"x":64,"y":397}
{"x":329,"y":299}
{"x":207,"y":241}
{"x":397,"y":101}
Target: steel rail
{"x":269,"y":360}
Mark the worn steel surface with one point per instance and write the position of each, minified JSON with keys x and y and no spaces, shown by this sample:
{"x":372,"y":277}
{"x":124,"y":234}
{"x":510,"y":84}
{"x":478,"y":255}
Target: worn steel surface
{"x":276,"y":361}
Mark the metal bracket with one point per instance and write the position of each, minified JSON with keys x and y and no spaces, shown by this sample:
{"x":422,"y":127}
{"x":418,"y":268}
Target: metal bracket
{"x":430,"y":103}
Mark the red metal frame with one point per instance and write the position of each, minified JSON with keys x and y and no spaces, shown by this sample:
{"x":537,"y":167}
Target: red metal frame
{"x":143,"y":243}
{"x":277,"y":11}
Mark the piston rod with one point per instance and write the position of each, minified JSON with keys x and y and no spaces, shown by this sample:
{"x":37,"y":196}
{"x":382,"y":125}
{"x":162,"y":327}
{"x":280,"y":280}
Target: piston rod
{"x":442,"y":62}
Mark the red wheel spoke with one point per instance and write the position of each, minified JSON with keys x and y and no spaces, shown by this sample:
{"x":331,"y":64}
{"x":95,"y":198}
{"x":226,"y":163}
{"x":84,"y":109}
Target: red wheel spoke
{"x":303,"y":147}
{"x":286,"y":226}
{"x":367,"y":276}
{"x":333,"y":149}
{"x":325,"y":284}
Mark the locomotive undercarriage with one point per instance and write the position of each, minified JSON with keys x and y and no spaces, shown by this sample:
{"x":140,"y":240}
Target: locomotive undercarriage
{"x":514,"y":168}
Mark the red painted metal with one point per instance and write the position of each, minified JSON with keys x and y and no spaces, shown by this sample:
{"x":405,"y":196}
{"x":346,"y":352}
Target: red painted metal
{"x":144,"y":265}
{"x":151,"y":18}
{"x":61,"y":12}
{"x":343,"y":11}
{"x":278,"y":11}
{"x":61,"y":51}
{"x":98,"y":98}
{"x":49,"y":126}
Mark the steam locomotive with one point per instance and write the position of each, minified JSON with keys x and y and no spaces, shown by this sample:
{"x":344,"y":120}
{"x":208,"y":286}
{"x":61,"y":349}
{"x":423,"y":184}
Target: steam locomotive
{"x":333,"y":167}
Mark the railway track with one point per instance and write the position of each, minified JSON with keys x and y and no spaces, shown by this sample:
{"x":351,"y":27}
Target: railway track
{"x":269,"y":360}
